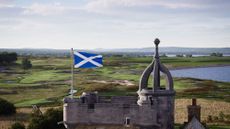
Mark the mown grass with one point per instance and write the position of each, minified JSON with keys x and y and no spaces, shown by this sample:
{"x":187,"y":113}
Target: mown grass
{"x":45,"y":83}
{"x":44,"y":76}
{"x":33,"y":95}
{"x":33,"y":102}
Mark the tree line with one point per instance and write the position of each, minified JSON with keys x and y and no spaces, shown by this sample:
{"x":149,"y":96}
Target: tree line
{"x":8,"y":58}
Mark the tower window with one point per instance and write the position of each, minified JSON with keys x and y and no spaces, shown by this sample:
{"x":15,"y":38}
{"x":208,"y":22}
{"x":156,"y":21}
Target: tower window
{"x":83,"y":99}
{"x":127,"y":121}
{"x":91,"y":106}
{"x":151,"y":100}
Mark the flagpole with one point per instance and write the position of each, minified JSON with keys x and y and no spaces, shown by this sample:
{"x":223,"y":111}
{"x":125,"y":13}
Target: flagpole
{"x":72,"y":73}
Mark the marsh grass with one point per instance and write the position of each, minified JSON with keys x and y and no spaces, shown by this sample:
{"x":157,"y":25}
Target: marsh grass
{"x":208,"y":107}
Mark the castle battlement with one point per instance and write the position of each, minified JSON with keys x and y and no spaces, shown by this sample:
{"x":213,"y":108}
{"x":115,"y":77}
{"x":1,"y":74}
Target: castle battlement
{"x":101,"y":101}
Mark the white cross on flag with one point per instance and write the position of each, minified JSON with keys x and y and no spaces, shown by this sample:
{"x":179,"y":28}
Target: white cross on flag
{"x":87,"y":60}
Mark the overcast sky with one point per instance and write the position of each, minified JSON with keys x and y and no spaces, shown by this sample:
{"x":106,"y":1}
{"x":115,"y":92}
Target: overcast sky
{"x":88,"y":24}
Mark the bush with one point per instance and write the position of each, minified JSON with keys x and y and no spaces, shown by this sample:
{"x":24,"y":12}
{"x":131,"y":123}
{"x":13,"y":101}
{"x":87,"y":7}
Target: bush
{"x":221,"y":116}
{"x":179,"y":55}
{"x":163,"y":55}
{"x":7,"y":58}
{"x":17,"y":125}
{"x":209,"y":119}
{"x":215,"y":118}
{"x":188,"y":55}
{"x":6,"y":108}
{"x":227,"y":117}
{"x":216,"y":54}
{"x":26,"y":63}
{"x":117,"y":55}
{"x":48,"y":120}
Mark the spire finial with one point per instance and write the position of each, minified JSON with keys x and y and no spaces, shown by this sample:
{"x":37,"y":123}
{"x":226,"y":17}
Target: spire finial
{"x":157,"y":42}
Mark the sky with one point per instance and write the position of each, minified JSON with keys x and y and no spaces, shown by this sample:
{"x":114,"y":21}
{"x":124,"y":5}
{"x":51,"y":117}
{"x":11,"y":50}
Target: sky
{"x":90,"y":24}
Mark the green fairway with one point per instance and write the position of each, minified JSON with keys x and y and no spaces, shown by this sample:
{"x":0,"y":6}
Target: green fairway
{"x":44,"y":76}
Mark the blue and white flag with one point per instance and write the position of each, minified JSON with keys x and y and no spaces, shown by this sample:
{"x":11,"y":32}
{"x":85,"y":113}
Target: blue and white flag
{"x":87,"y":60}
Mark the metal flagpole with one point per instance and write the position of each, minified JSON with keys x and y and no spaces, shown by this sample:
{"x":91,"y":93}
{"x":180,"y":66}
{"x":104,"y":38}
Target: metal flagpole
{"x":72,"y":72}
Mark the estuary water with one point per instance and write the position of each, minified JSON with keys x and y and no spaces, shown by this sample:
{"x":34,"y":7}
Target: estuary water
{"x":210,"y":73}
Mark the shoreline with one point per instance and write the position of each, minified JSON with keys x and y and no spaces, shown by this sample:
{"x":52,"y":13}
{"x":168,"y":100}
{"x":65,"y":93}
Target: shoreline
{"x":191,"y":67}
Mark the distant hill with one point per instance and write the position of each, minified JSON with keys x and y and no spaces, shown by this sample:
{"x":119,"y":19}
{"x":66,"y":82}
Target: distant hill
{"x":170,"y":50}
{"x":129,"y":51}
{"x":38,"y":52}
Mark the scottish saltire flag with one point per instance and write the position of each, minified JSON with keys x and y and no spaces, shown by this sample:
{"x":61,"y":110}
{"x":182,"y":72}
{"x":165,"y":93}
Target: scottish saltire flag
{"x":87,"y":60}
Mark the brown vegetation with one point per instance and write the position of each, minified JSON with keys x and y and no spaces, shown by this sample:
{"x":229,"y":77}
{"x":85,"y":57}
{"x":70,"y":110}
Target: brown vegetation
{"x":208,"y":107}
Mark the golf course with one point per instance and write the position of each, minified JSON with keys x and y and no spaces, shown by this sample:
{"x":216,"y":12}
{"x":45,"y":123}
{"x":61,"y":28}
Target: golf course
{"x":49,"y":80}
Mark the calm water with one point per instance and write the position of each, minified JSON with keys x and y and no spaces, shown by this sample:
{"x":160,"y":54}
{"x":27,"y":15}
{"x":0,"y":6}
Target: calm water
{"x":210,"y":73}
{"x":194,"y":55}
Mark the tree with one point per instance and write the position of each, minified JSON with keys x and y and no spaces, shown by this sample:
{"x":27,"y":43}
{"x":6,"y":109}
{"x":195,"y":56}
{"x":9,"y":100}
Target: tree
{"x":219,"y":54}
{"x":54,"y":116}
{"x":179,"y":55}
{"x":17,"y":125}
{"x":48,"y":120}
{"x":12,"y":57}
{"x":6,"y":108}
{"x":26,"y":63}
{"x":216,"y":54}
{"x":188,"y":55}
{"x":163,"y":55}
{"x":7,"y":58}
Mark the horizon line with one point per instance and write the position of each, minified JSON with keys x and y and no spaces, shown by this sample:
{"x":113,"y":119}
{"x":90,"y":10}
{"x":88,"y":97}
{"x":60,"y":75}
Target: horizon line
{"x":113,"y":48}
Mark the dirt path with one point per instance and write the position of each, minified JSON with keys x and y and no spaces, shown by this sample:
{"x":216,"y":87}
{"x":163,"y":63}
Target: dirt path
{"x":120,"y":82}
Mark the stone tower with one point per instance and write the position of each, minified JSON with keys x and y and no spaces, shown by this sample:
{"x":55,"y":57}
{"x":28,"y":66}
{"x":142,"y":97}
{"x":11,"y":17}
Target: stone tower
{"x":152,"y":109}
{"x":156,"y":96}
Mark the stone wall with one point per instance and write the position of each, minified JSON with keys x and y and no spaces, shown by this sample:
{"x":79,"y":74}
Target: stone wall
{"x":115,"y":111}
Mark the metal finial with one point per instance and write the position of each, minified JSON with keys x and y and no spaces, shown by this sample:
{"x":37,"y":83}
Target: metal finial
{"x":157,"y":41}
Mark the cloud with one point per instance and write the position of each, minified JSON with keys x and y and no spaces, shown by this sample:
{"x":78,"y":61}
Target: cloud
{"x":102,"y":21}
{"x":8,"y":11}
{"x":44,"y":9}
{"x":6,"y":3}
{"x":95,"y":5}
